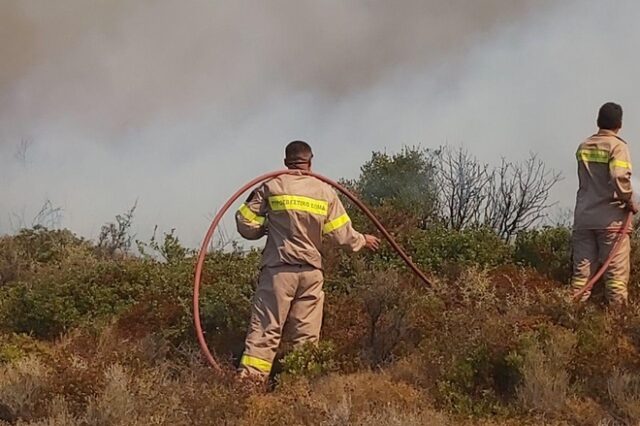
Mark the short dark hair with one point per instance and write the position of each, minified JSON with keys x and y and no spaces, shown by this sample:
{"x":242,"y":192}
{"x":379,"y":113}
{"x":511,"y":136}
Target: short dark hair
{"x":610,"y":116}
{"x":298,"y":152}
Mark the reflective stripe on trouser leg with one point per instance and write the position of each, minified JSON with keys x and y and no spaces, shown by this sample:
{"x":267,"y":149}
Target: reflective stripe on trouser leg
{"x":271,"y":303}
{"x":305,"y":317}
{"x":616,"y":291}
{"x":585,"y":259}
{"x":248,"y":361}
{"x":617,"y":275}
{"x":577,"y":284}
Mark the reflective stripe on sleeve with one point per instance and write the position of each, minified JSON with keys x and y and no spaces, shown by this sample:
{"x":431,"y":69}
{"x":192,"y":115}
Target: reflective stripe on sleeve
{"x":336,"y":223}
{"x":246,"y":212}
{"x":620,"y":163}
{"x":299,"y":203}
{"x":593,"y":155}
{"x":260,"y":364}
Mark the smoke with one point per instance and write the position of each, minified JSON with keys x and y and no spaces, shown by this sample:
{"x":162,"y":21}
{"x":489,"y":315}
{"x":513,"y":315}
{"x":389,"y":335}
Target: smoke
{"x":176,"y":103}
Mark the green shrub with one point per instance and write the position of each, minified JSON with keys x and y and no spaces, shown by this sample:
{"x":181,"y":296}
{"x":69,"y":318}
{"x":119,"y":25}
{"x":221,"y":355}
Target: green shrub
{"x":58,"y":299}
{"x":85,"y":290}
{"x":470,"y":385}
{"x":437,"y":248}
{"x":548,"y":250}
{"x":310,"y":360}
{"x":35,"y":248}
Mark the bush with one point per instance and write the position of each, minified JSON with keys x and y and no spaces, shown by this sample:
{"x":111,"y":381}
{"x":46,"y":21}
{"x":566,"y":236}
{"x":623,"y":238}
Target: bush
{"x":73,"y":294}
{"x":85,"y":290}
{"x":548,"y":250}
{"x":34,"y":248}
{"x":439,"y":248}
{"x":545,"y":373}
{"x":624,"y":392}
{"x":310,"y":360}
{"x":405,"y":181}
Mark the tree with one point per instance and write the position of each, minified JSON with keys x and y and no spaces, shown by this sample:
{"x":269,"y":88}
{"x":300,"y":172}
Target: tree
{"x":518,"y":196}
{"x":115,"y":237}
{"x":405,"y":181}
{"x":462,"y":188}
{"x":508,"y":198}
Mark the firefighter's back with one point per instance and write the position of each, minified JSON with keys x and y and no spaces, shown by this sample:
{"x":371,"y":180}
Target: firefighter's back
{"x":597,"y":206}
{"x":297,"y":209}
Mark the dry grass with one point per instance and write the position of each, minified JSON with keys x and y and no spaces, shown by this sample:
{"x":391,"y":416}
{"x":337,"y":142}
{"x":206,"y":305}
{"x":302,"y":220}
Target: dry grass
{"x":23,"y":385}
{"x":624,"y":392}
{"x":173,"y":394}
{"x":545,"y":384}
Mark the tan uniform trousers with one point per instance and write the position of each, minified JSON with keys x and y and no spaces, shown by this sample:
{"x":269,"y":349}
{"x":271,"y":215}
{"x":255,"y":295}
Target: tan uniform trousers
{"x":590,"y":250}
{"x":289,"y":300}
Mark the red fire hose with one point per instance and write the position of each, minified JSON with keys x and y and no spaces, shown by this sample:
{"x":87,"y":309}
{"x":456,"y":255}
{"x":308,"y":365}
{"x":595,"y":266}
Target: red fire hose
{"x":616,"y":246}
{"x":216,"y":220}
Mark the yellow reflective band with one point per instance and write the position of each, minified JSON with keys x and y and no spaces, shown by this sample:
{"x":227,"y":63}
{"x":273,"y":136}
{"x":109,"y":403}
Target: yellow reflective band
{"x":336,"y":223}
{"x":260,"y":364}
{"x":616,"y":283}
{"x":578,"y":283}
{"x":593,"y":155}
{"x":299,"y":203}
{"x":620,"y":163}
{"x":246,"y":212}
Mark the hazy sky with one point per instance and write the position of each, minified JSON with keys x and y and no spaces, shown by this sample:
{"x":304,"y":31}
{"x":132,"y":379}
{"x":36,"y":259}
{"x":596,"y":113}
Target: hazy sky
{"x":177,"y":103}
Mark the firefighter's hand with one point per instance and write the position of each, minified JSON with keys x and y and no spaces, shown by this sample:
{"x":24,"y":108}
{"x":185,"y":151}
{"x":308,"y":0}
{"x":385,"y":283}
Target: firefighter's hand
{"x":632,"y":206}
{"x":371,"y":242}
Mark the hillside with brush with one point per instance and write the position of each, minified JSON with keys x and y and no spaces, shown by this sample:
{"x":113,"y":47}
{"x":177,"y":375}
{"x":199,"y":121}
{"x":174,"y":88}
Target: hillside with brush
{"x":100,"y":332}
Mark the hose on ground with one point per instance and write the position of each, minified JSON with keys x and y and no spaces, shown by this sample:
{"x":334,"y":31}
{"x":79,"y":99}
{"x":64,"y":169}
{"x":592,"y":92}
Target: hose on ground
{"x":216,"y":221}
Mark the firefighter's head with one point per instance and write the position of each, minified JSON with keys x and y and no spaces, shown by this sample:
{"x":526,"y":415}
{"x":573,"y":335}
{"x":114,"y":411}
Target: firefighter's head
{"x":298,"y":155}
{"x":610,"y":117}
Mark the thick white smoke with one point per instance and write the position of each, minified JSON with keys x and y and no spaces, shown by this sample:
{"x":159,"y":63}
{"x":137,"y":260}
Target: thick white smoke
{"x":177,"y":103}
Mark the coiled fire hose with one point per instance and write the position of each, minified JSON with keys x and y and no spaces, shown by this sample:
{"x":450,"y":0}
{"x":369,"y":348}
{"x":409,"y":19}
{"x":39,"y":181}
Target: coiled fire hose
{"x":216,"y":221}
{"x":616,"y":246}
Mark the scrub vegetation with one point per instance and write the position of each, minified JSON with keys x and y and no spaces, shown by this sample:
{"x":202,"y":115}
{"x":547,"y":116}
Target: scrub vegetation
{"x":97,"y":333}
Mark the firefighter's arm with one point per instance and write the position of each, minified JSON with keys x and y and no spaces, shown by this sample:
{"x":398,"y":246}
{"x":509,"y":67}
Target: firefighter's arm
{"x":339,"y":228}
{"x":251,"y":216}
{"x":620,"y":171}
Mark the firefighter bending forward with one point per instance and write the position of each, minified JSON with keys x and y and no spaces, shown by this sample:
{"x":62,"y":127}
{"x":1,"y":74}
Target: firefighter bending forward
{"x":295,"y":212}
{"x":603,"y":201}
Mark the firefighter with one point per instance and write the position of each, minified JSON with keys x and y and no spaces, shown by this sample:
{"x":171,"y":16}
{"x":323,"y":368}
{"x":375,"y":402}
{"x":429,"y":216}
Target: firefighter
{"x":603,"y":201}
{"x":295,"y":212}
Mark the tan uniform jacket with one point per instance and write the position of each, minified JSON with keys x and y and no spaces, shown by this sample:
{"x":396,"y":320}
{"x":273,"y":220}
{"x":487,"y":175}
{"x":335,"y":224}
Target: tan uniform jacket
{"x":295,"y":212}
{"x":604,"y":174}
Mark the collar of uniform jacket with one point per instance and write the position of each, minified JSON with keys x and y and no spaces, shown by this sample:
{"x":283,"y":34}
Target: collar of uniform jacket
{"x":297,"y":172}
{"x":605,"y":132}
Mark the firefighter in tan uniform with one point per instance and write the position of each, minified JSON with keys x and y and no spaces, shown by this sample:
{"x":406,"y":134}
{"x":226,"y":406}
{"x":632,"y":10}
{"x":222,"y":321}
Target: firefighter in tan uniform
{"x":295,"y":212}
{"x":603,"y":201}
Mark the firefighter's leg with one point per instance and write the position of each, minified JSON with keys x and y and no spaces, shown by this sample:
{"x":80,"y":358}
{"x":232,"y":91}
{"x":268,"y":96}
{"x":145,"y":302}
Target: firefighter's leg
{"x":271,"y":304}
{"x":305,"y":317}
{"x":585,"y":259}
{"x":616,"y":277}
